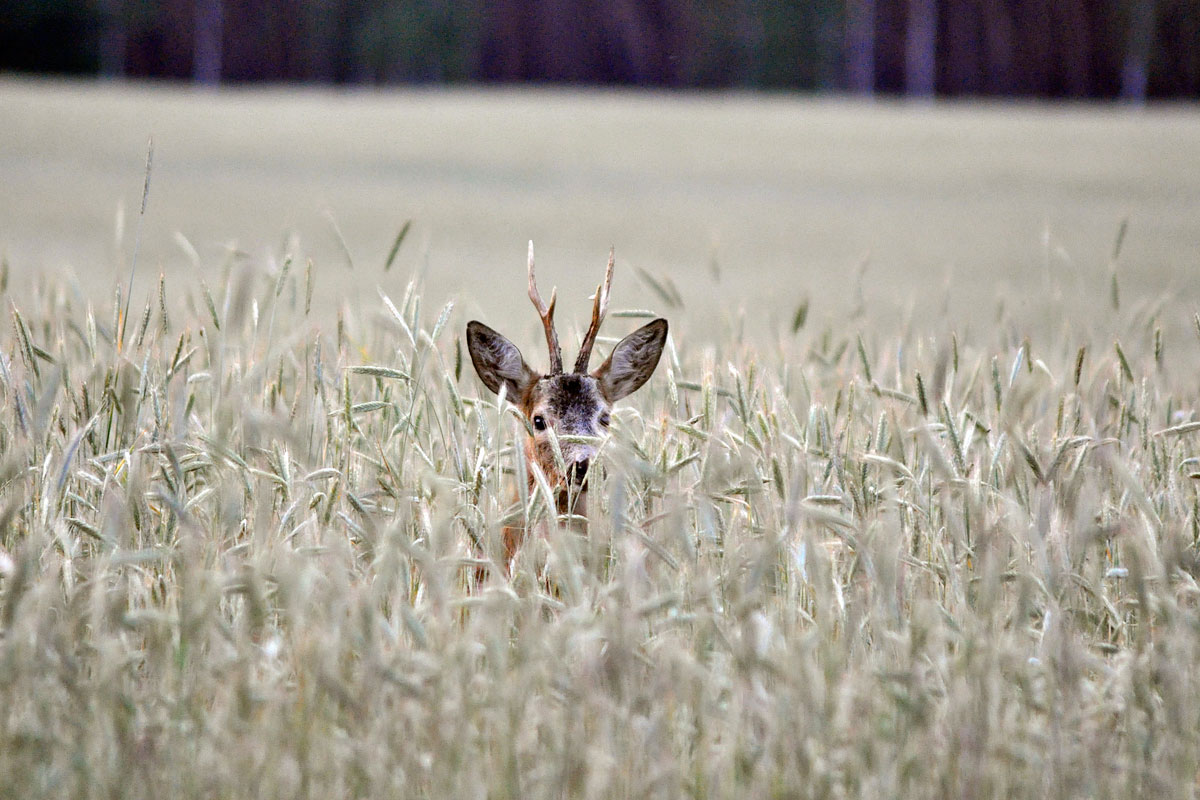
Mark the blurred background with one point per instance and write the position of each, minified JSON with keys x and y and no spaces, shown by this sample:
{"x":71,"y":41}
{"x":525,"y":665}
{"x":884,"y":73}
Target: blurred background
{"x":935,"y":161}
{"x":1131,"y":49}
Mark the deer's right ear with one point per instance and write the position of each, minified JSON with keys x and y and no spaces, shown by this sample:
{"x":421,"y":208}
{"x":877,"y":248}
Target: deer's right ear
{"x":498,"y":362}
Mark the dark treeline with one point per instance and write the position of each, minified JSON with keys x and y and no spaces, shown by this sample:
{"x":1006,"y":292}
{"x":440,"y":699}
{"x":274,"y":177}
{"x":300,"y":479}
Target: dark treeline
{"x":1038,"y":48}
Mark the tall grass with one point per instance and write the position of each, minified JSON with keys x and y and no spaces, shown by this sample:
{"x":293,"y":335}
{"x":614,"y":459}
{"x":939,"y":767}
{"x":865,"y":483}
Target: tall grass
{"x":245,"y":557}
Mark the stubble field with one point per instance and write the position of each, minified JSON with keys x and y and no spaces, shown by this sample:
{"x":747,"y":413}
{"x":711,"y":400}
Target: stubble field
{"x":909,"y":508}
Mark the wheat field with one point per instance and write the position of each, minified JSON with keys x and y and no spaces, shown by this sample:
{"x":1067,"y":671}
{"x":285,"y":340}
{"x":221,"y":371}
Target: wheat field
{"x":249,"y":537}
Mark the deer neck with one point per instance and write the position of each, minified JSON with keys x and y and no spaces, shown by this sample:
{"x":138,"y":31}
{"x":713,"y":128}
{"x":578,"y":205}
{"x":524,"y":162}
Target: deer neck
{"x":573,"y":503}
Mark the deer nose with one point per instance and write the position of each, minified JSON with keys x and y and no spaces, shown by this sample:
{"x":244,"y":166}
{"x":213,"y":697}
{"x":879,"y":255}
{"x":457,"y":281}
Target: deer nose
{"x":579,"y":470}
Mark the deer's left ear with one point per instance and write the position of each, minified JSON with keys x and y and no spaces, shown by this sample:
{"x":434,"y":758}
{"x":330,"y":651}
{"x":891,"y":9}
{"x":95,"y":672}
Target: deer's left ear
{"x":632,"y":361}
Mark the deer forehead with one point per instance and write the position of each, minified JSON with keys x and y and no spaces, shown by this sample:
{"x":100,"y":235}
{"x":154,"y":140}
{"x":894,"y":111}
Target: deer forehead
{"x":568,"y":398}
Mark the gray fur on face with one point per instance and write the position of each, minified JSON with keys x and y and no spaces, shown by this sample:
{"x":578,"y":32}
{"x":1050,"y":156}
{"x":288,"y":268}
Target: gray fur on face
{"x":571,"y":405}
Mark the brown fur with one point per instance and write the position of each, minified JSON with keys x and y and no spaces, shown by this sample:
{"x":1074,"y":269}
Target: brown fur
{"x":575,"y":404}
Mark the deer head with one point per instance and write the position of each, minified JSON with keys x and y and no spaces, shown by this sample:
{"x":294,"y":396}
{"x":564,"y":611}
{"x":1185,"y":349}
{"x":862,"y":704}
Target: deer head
{"x":566,"y":405}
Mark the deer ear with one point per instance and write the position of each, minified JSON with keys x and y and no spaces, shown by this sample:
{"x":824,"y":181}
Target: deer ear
{"x":497,"y":361}
{"x":632,"y":361}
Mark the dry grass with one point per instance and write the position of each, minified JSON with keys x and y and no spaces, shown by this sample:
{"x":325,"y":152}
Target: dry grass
{"x":237,"y":562}
{"x":846,"y":557}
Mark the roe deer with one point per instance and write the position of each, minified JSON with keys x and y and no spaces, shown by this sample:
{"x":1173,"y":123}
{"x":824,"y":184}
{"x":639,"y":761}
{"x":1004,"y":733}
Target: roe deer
{"x":570,"y":409}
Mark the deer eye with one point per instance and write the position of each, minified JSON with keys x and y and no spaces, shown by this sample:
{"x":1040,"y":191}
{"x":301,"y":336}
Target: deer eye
{"x":605,"y":419}
{"x":539,"y":422}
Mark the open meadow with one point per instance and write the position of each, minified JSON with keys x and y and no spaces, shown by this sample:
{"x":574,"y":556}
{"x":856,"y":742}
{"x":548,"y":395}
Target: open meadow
{"x":908,"y":509}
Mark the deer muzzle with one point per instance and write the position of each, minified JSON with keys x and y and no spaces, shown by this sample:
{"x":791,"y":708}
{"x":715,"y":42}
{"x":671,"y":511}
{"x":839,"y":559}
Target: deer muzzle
{"x":577,"y":471}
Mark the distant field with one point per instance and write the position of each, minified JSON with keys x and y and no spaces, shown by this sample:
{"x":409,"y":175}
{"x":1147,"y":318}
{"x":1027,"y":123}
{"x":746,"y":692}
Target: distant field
{"x":934,"y":534}
{"x":788,"y":196}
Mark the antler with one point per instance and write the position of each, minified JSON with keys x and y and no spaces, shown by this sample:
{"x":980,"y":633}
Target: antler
{"x":599,"y":309}
{"x":547,"y":315}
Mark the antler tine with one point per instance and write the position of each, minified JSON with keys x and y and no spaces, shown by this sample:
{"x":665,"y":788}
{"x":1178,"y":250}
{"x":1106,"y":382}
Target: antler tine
{"x":599,"y":310}
{"x":547,"y":315}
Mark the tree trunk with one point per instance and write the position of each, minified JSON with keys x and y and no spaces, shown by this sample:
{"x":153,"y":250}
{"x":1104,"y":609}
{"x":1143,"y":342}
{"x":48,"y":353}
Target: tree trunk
{"x":629,"y":46}
{"x":560,"y":48}
{"x":963,"y":44}
{"x":208,"y":32}
{"x":860,"y":46}
{"x":508,"y":40}
{"x":999,"y":35}
{"x":920,"y":49}
{"x":1135,"y":72}
{"x":321,"y":40}
{"x":749,"y":35}
{"x":1076,"y":47}
{"x":114,"y":36}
